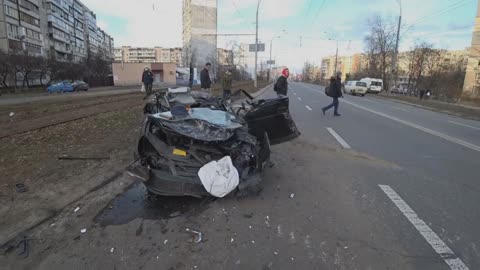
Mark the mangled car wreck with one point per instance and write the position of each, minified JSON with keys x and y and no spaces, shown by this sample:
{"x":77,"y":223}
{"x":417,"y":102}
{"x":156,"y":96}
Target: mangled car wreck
{"x":193,"y":144}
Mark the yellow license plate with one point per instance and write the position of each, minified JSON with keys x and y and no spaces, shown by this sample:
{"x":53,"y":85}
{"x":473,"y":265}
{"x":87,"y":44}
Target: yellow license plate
{"x":179,"y":152}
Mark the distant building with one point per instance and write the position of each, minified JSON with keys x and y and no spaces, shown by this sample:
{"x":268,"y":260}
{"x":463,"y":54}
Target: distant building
{"x":199,"y":32}
{"x":129,"y":54}
{"x":164,"y":74}
{"x":63,"y":29}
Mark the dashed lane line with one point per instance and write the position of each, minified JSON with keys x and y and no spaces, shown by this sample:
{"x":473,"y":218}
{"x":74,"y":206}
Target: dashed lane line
{"x":340,"y":140}
{"x":308,"y":107}
{"x":430,"y":236}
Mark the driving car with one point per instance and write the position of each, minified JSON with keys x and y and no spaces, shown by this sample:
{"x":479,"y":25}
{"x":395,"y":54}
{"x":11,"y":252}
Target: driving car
{"x":80,"y":86}
{"x":60,"y":87}
{"x":356,"y":88}
{"x":185,"y":131}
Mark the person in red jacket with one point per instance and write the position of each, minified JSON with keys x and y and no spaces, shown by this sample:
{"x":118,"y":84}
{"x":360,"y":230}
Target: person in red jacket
{"x":281,"y":86}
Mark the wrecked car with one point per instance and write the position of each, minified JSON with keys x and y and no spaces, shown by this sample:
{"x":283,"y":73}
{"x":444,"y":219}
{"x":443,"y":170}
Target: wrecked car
{"x":186,"y":130}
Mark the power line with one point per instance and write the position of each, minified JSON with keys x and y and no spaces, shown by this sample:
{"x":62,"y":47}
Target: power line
{"x":442,"y":11}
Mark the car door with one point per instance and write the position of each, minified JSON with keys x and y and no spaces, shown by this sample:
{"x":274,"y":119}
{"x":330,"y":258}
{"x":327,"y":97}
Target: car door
{"x":273,"y":117}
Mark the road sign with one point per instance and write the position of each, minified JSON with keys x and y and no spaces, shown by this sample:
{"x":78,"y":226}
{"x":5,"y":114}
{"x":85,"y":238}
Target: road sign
{"x":261,"y":47}
{"x":270,"y":62}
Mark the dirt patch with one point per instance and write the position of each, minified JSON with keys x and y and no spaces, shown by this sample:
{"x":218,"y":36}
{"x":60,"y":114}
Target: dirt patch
{"x":32,"y":158}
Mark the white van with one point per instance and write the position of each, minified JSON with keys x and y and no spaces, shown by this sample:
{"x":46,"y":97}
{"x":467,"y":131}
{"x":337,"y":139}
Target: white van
{"x":373,"y":85}
{"x":355,"y":88}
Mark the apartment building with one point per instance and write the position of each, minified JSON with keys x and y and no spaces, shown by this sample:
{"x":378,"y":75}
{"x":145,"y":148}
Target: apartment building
{"x":20,"y":27}
{"x":63,"y":29}
{"x":129,"y":54}
{"x":199,"y":32}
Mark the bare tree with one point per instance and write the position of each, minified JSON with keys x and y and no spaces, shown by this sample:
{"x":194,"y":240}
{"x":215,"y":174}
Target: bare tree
{"x":380,"y":46}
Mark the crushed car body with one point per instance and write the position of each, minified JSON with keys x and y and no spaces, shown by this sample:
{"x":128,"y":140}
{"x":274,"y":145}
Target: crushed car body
{"x":186,"y":130}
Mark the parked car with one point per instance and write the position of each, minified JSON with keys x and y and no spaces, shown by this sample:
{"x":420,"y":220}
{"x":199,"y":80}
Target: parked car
{"x":185,"y":131}
{"x":60,"y":87}
{"x":80,"y":86}
{"x":374,"y":86}
{"x":356,"y":88}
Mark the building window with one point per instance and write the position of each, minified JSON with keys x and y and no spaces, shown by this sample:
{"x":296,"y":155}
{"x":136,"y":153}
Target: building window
{"x":32,"y":34}
{"x":11,"y":12}
{"x":29,"y":19}
{"x":12,"y":31}
{"x":28,"y":5}
{"x":33,"y":48}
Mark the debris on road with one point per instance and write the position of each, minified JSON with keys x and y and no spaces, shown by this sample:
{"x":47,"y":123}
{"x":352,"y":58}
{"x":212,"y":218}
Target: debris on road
{"x":11,"y":114}
{"x":76,"y":209}
{"x":198,"y":236}
{"x":112,"y":249}
{"x":165,"y":242}
{"x":83,"y":230}
{"x":231,"y":240}
{"x":21,"y":188}
{"x":275,"y":252}
{"x":292,"y":195}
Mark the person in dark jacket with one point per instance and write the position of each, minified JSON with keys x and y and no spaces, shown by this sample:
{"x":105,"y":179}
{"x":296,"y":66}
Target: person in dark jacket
{"x":227,"y":84}
{"x":281,"y":86}
{"x":147,"y":80}
{"x":335,"y":92}
{"x":205,"y":81}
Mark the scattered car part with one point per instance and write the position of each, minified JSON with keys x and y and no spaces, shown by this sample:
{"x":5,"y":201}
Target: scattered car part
{"x":198,"y":236}
{"x":21,"y":188}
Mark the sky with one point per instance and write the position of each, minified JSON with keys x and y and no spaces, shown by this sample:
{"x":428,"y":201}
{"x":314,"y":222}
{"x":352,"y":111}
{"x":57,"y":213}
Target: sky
{"x":301,"y":30}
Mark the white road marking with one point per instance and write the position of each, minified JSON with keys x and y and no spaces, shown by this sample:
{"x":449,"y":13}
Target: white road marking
{"x":338,"y":138}
{"x":437,"y":244}
{"x":299,"y":98}
{"x":308,"y":107}
{"x":429,"y":131}
{"x":460,"y":124}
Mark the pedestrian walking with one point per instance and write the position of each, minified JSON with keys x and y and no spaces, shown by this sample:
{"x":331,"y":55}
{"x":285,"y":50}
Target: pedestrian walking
{"x":227,"y":84}
{"x":281,"y":86}
{"x":205,"y":81}
{"x":335,"y":91}
{"x":147,"y":80}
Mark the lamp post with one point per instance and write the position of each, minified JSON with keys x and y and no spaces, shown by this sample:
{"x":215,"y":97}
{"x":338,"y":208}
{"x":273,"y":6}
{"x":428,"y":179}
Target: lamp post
{"x":270,"y":58}
{"x":255,"y":83}
{"x":395,"y":58}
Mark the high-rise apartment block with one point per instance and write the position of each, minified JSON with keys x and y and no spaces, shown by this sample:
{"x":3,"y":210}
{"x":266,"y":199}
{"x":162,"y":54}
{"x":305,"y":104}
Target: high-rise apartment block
{"x":64,"y":29}
{"x":199,"y":32}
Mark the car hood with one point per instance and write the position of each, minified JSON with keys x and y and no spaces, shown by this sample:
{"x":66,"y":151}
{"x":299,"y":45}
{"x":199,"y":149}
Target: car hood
{"x":201,"y":124}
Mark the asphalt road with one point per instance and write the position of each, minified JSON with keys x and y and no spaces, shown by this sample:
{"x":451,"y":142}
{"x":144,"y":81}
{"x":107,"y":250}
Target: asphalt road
{"x":438,"y":158}
{"x":384,"y":186}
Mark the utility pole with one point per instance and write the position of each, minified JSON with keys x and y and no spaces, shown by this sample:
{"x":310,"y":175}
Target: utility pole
{"x":270,"y":61}
{"x":395,"y":58}
{"x":255,"y":83}
{"x":336,"y":60}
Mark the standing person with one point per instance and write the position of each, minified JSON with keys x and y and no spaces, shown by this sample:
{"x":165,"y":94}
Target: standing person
{"x":227,"y":84}
{"x":147,"y":80}
{"x":205,"y":81}
{"x":281,"y":86}
{"x":335,"y":93}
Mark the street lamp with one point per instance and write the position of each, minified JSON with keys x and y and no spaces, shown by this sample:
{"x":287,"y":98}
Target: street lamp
{"x":270,"y":58}
{"x":255,"y":83}
{"x":395,"y":58}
